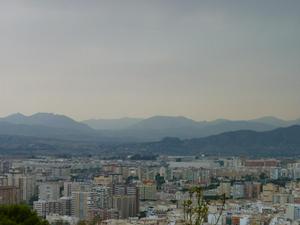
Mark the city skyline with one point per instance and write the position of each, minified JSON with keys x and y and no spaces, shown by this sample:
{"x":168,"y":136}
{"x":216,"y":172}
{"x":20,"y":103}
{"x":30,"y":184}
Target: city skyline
{"x":161,"y":112}
{"x":202,"y":60}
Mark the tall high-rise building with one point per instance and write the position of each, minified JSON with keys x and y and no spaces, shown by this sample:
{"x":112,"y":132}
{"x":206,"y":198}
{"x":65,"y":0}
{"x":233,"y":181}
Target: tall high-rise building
{"x":25,"y":183}
{"x":40,"y":208}
{"x":13,"y":177}
{"x":125,"y":205}
{"x":3,"y":180}
{"x":66,"y":206}
{"x":101,"y":196}
{"x":147,"y":190}
{"x":27,"y":187}
{"x":87,"y":199}
{"x":126,"y":200}
{"x":252,"y":190}
{"x":81,"y":202}
{"x":49,"y":191}
{"x":5,"y":166}
{"x":44,"y":208}
{"x":70,"y":187}
{"x":268,"y":192}
{"x":9,"y":195}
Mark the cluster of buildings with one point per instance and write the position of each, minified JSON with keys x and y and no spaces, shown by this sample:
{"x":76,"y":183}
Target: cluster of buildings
{"x":257,"y":191}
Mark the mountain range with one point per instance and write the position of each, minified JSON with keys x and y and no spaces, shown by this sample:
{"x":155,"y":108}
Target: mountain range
{"x":45,"y":119}
{"x":49,"y":125}
{"x":277,"y":142}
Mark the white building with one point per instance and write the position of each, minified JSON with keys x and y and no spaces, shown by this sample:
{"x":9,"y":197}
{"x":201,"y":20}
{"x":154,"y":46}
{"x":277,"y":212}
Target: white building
{"x":293,"y":212}
{"x":237,"y":191}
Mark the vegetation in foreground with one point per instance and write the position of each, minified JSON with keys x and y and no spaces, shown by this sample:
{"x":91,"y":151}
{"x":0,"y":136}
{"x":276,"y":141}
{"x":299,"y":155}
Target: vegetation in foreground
{"x":19,"y":215}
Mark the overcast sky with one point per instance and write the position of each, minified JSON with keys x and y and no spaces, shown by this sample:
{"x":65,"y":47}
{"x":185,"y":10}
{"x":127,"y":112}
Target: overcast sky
{"x":107,"y":59}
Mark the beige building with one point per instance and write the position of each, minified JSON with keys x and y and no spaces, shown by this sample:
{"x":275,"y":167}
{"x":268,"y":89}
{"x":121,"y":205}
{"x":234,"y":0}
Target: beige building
{"x":70,"y":187}
{"x":9,"y":195}
{"x":268,"y":192}
{"x":27,"y":188}
{"x":126,"y":205}
{"x":103,"y":180}
{"x":81,"y":202}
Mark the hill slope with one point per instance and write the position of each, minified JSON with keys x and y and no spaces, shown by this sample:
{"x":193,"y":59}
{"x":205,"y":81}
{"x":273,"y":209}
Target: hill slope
{"x":282,"y":141}
{"x":158,"y":127}
{"x":273,"y":121}
{"x":111,"y":124}
{"x":278,"y":142}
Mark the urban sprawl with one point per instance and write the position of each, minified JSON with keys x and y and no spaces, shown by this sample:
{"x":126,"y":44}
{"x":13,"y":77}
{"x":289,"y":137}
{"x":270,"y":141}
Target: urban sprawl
{"x":130,"y":191}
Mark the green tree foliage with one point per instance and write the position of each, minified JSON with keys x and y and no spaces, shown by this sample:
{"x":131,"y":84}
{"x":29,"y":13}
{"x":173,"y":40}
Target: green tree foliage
{"x":95,"y":221}
{"x":19,"y":215}
{"x":263,"y":176}
{"x":160,"y":180}
{"x":131,"y":179}
{"x":61,"y":222}
{"x":82,"y":222}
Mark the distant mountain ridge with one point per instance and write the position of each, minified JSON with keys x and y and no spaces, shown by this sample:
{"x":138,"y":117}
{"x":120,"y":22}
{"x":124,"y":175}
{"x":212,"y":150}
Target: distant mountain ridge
{"x":277,"y":142}
{"x":49,"y":125}
{"x":45,"y":119}
{"x":168,"y":122}
{"x":112,"y":124}
{"x":276,"y":121}
{"x":46,"y":125}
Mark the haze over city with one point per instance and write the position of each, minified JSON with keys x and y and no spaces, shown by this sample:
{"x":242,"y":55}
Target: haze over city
{"x":150,"y":112}
{"x":200,"y":59}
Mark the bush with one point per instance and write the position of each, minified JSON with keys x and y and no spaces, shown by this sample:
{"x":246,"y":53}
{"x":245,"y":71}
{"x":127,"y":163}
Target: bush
{"x":19,"y":215}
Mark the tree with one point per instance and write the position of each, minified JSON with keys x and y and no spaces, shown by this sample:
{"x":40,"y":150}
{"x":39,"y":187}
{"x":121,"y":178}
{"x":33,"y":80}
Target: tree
{"x":61,"y":222}
{"x":96,"y":220}
{"x":32,"y":199}
{"x":160,"y":180}
{"x":19,"y":215}
{"x":263,"y":176}
{"x":196,"y":207}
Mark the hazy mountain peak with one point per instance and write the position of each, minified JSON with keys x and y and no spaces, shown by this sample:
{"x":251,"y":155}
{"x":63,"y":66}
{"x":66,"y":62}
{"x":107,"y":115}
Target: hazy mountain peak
{"x":16,"y":115}
{"x":165,"y":122}
{"x":50,"y":116}
{"x":274,"y":121}
{"x":45,"y":119}
{"x":160,"y":117}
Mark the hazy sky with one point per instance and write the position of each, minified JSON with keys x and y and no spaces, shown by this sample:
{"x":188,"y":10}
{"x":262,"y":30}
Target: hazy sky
{"x":104,"y":59}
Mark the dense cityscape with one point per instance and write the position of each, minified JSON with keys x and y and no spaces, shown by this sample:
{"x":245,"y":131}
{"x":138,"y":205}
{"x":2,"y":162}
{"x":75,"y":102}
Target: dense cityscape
{"x":150,"y":112}
{"x":127,"y":191}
